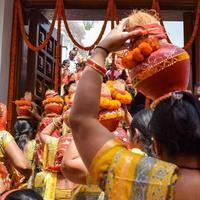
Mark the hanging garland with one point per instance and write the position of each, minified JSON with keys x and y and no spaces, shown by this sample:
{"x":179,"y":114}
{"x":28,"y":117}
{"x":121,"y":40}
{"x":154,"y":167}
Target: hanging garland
{"x":12,"y":68}
{"x":58,"y":53}
{"x":196,"y":27}
{"x":88,"y":48}
{"x":23,"y":32}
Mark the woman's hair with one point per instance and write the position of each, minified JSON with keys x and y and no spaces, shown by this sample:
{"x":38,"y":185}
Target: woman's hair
{"x":22,"y":132}
{"x":176,"y":124}
{"x":141,"y":122}
{"x":24,"y":194}
{"x":137,"y":104}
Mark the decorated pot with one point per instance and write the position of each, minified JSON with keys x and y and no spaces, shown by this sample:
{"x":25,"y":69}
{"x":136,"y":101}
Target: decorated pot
{"x":165,"y":70}
{"x":23,"y":107}
{"x":110,"y":124}
{"x":111,"y":119}
{"x":24,"y":111}
{"x":53,"y":107}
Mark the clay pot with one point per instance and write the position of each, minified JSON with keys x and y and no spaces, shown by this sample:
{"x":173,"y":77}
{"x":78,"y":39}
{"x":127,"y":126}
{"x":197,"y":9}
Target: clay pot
{"x":169,"y":80}
{"x":174,"y":77}
{"x":53,"y":108}
{"x":24,"y":111}
{"x":110,"y":124}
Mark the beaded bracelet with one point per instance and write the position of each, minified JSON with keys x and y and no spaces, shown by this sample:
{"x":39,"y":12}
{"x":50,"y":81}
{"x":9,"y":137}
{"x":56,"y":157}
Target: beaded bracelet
{"x":91,"y":63}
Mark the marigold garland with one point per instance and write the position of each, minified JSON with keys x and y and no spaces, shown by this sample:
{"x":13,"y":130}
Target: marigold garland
{"x":23,"y":32}
{"x":141,"y":50}
{"x":109,"y":104}
{"x":65,"y":108}
{"x":58,"y":49}
{"x":56,"y":99}
{"x":124,"y":98}
{"x":115,"y":114}
{"x":12,"y":67}
{"x":88,"y":48}
{"x":196,"y":28}
{"x":23,"y":102}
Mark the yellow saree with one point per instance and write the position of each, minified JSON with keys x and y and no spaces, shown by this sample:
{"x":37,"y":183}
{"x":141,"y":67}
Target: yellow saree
{"x":125,"y":175}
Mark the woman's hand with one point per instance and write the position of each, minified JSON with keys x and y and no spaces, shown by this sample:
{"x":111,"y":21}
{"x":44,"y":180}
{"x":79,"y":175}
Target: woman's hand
{"x":117,"y":37}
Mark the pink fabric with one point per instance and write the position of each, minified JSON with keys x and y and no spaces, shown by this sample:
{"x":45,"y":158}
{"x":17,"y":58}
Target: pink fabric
{"x":122,"y":135}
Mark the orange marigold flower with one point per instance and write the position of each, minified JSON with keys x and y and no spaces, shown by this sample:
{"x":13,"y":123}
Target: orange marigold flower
{"x":23,"y":102}
{"x":109,"y":104}
{"x":145,"y":48}
{"x":137,"y":55}
{"x":127,"y":61}
{"x":154,"y":43}
{"x":56,"y":99}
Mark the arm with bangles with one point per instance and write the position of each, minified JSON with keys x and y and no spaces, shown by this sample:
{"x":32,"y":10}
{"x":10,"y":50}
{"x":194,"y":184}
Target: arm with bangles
{"x":88,"y":133}
{"x":48,"y":130}
{"x":72,"y":166}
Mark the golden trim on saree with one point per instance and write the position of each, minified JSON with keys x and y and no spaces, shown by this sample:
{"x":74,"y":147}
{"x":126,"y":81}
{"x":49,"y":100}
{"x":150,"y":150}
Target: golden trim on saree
{"x":159,"y":67}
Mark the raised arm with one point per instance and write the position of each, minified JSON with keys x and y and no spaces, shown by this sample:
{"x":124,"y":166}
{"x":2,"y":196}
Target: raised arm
{"x":48,"y":130}
{"x":88,"y":133}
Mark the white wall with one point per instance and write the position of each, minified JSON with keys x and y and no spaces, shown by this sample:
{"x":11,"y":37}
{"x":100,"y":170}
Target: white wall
{"x":6,"y":12}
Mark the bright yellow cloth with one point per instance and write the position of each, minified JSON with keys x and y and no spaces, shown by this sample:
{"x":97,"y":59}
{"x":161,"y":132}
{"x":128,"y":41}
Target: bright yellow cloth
{"x":5,"y":139}
{"x":124,"y":175}
{"x":52,"y":144}
{"x":30,"y":150}
{"x":88,"y":192}
{"x":5,"y":167}
{"x":138,"y":151}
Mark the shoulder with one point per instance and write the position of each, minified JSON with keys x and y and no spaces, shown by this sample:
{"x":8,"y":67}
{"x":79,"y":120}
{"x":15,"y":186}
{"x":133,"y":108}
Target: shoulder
{"x":5,"y":134}
{"x":5,"y":138}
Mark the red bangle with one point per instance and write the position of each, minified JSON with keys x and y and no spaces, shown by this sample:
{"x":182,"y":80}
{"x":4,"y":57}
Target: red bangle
{"x":91,"y":63}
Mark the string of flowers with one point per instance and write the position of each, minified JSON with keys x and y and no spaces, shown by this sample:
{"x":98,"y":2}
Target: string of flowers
{"x":196,"y":27}
{"x":23,"y":32}
{"x":88,"y":48}
{"x":12,"y":68}
{"x":58,"y":51}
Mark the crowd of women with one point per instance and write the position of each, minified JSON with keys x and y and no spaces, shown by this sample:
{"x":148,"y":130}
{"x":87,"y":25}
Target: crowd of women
{"x":96,"y":141}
